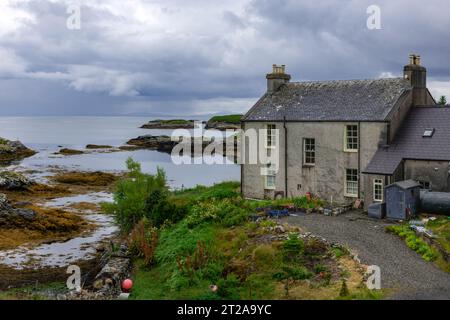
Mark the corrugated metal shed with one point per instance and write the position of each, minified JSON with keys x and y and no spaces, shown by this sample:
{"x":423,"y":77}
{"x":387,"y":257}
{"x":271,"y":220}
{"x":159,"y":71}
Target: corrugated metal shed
{"x":402,"y":199}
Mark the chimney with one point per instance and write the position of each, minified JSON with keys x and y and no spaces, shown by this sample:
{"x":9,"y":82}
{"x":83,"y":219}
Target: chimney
{"x":417,"y":76}
{"x":277,"y":78}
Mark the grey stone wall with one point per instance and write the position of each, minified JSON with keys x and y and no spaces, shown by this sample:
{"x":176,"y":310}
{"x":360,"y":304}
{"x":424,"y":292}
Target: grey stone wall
{"x":435,"y":172}
{"x":327,"y":177}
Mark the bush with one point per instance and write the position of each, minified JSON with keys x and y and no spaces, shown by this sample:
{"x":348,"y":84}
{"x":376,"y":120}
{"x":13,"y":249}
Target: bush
{"x":228,"y":288}
{"x":293,"y":247}
{"x":131,"y":195}
{"x":159,"y":209}
{"x":202,"y":212}
{"x":304,"y":203}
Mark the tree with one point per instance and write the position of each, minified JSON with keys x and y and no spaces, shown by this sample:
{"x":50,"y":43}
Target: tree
{"x":442,"y":101}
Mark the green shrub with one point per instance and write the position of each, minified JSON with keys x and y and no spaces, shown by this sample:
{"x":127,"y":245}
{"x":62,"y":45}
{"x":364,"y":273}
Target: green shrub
{"x":293,"y":248}
{"x":202,"y":212}
{"x":304,"y":203}
{"x":165,"y":210}
{"x":228,"y":288}
{"x":131,"y":194}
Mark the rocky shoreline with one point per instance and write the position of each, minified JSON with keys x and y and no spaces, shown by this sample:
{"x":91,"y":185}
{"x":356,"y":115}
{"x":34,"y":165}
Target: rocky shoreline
{"x":13,"y":151}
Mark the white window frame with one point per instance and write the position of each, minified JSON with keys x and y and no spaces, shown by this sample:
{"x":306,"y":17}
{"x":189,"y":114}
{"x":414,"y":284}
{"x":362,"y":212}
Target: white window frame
{"x":378,"y":183}
{"x":347,"y":137}
{"x":354,"y":184}
{"x":271,"y":132}
{"x":312,"y":151}
{"x":270,"y":174}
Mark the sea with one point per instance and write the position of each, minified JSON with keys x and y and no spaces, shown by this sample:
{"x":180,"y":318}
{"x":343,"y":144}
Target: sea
{"x":47,"y":135}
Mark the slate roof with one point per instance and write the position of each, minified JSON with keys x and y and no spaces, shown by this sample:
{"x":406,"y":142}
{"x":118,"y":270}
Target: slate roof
{"x":409,"y":142}
{"x":341,"y":100}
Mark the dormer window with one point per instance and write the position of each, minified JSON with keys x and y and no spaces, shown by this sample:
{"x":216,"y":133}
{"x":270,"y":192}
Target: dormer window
{"x":428,"y":133}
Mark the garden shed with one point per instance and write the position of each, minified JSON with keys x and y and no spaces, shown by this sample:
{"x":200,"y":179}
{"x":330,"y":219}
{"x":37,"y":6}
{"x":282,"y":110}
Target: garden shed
{"x":402,"y":199}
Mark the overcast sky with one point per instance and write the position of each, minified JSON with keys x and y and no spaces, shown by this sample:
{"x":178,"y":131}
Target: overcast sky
{"x":198,"y":57}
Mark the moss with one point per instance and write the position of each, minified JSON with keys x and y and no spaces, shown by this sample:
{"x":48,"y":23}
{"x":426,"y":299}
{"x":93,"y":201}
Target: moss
{"x":97,"y":178}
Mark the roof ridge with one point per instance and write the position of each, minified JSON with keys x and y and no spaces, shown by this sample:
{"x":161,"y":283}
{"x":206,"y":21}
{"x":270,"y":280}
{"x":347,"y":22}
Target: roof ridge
{"x":345,"y":80}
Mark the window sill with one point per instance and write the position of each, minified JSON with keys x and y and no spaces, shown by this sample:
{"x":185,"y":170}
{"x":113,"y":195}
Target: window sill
{"x":351,"y":150}
{"x":269,"y":188}
{"x":351,"y":195}
{"x":306,"y":165}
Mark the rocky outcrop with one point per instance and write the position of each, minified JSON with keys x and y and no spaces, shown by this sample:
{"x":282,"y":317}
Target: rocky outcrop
{"x":98,"y":146}
{"x":165,"y":144}
{"x":69,"y":152}
{"x":222,"y":125}
{"x":169,"y":124}
{"x":8,"y":213}
{"x":160,"y":143}
{"x":10,"y":180}
{"x":13,"y":151}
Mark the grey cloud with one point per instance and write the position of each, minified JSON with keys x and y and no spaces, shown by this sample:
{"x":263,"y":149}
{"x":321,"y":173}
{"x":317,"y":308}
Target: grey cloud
{"x":201,"y":56}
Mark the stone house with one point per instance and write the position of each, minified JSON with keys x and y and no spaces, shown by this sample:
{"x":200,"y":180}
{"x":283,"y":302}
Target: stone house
{"x":347,"y":140}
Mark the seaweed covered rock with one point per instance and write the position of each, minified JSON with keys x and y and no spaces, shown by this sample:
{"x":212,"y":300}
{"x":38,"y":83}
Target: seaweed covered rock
{"x":13,"y":151}
{"x":9,"y":213}
{"x":12,"y":180}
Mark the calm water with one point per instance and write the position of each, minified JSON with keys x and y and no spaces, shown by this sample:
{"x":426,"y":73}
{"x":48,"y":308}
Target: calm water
{"x":48,"y":134}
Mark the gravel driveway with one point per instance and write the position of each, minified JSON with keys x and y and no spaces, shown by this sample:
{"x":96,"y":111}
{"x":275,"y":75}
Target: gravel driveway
{"x":402,"y":269}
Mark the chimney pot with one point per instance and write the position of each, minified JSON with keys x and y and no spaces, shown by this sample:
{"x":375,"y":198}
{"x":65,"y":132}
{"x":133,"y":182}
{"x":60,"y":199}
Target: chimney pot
{"x":277,"y":78}
{"x":417,"y":76}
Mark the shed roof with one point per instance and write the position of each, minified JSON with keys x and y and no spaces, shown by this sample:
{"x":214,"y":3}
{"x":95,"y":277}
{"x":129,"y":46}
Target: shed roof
{"x":407,"y":184}
{"x":340,"y":100}
{"x":410,"y":143}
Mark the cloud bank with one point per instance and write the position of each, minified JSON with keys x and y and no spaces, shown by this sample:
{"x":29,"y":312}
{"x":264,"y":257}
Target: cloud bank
{"x":198,"y":57}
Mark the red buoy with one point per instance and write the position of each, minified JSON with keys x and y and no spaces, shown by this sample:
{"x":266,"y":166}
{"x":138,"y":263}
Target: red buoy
{"x":127,"y":284}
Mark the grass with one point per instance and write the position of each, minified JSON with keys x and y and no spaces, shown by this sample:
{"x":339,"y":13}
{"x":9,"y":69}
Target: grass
{"x":35,"y":292}
{"x":441,"y":228}
{"x":232,"y":118}
{"x":244,"y":260}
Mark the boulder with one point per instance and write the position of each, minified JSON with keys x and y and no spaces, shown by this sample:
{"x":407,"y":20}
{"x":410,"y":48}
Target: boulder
{"x":9,"y":213}
{"x":12,"y":180}
{"x":13,"y":150}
